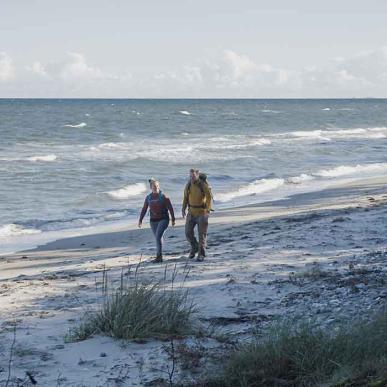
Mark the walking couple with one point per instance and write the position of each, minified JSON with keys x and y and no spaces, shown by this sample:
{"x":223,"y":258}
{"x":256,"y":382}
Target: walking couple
{"x":197,"y":198}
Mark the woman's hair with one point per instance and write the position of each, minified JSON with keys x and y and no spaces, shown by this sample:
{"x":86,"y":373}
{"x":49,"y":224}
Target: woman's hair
{"x":153,"y":181}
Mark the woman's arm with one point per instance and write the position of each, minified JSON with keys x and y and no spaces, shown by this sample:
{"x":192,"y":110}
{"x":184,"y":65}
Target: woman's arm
{"x":170,"y":209}
{"x":143,"y":212}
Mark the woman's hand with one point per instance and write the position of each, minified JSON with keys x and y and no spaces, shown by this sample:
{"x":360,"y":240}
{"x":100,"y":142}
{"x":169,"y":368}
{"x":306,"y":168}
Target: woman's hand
{"x":139,"y":224}
{"x":173,"y":223}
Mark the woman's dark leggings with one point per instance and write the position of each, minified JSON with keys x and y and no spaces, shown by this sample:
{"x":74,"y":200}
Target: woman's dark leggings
{"x":159,"y":227}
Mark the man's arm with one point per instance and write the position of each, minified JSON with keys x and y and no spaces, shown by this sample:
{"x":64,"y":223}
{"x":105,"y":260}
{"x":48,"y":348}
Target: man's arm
{"x":207,"y":193}
{"x":185,"y":201}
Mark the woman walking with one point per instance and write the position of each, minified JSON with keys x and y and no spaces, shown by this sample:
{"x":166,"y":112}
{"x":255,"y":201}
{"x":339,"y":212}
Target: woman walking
{"x":160,"y":208}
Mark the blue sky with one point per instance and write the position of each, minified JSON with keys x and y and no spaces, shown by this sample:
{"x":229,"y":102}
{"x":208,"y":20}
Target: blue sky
{"x":184,"y":48}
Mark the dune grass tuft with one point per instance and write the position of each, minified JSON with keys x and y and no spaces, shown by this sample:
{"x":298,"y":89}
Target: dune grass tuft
{"x":300,"y":355}
{"x":138,"y":311}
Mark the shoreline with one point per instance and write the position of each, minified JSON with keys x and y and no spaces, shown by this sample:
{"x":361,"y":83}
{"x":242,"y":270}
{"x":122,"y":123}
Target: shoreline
{"x":296,"y":203}
{"x":317,"y":256}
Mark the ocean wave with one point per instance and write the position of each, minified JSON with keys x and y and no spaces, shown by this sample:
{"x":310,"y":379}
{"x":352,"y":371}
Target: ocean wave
{"x":309,"y":181}
{"x":111,"y":145}
{"x":185,"y":112}
{"x":42,"y":158}
{"x":328,"y":135}
{"x":81,"y":125}
{"x":127,"y":191}
{"x":256,"y":187}
{"x":299,"y":179}
{"x":270,"y":111}
{"x":247,"y":144}
{"x":326,"y":109}
{"x":10,"y":230}
{"x":309,"y":135}
{"x":345,"y":170}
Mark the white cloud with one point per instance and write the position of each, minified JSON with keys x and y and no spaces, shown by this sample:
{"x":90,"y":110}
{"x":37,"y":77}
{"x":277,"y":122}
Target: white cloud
{"x":38,"y":68}
{"x":77,"y":69}
{"x":363,"y":74}
{"x":240,"y":65}
{"x":7,"y":69}
{"x":230,"y":74}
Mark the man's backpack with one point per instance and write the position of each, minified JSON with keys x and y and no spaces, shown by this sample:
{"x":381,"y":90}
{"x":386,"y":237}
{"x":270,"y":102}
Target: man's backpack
{"x":202,"y":181}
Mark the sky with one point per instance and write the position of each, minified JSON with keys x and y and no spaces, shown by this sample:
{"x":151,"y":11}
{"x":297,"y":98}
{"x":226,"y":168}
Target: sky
{"x":193,"y":49}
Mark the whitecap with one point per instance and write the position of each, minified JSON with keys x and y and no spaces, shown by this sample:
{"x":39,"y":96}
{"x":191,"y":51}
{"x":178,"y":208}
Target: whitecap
{"x":256,"y":187}
{"x":346,"y":170}
{"x":127,"y":191}
{"x":328,"y":135}
{"x":47,"y":158}
{"x":81,"y":125}
{"x":247,"y":144}
{"x":270,"y":111}
{"x":310,"y":135}
{"x":185,"y":112}
{"x":9,"y":230}
{"x":326,"y":109}
{"x":299,"y":179}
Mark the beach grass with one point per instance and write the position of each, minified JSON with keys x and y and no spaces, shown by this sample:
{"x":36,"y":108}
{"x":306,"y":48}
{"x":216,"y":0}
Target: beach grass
{"x":138,"y":310}
{"x":292,"y":354}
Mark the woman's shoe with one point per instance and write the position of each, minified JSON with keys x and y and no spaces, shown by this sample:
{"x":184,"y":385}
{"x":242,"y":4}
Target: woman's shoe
{"x":158,"y":259}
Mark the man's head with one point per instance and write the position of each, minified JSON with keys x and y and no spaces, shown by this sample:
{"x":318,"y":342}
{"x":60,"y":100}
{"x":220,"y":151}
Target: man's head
{"x":194,"y":174}
{"x":154,"y":185}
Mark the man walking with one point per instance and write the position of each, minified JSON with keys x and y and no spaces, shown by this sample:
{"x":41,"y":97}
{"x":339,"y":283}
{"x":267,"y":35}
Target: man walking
{"x":198,"y":199}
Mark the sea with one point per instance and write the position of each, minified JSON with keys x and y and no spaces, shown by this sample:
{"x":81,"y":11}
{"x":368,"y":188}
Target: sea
{"x":77,"y":166}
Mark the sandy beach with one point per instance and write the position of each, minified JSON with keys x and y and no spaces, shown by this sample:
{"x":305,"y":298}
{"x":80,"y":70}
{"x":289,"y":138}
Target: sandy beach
{"x":317,"y":256}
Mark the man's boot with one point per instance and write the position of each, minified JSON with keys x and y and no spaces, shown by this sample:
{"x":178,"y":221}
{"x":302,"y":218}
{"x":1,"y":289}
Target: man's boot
{"x":201,"y":255}
{"x":194,"y":250}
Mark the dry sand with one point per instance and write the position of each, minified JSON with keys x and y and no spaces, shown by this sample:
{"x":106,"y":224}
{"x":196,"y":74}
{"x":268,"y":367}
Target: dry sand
{"x":317,"y":256}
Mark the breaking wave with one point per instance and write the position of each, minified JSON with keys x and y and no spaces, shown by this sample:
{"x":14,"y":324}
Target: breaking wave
{"x":81,"y":125}
{"x":127,"y":191}
{"x":345,"y":170}
{"x":256,"y":187}
{"x":323,"y":175}
{"x":10,"y":230}
{"x":42,"y":158}
{"x":328,"y":135}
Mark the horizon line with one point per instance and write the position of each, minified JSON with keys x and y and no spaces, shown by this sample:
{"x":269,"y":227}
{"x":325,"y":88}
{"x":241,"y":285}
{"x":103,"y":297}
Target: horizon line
{"x":192,"y":98}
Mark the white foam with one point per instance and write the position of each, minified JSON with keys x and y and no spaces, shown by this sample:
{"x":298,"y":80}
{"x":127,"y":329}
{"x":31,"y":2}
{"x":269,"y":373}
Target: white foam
{"x":185,"y":112}
{"x":328,"y":135}
{"x":270,"y":111}
{"x":48,"y":158}
{"x":256,"y":187}
{"x":127,"y":191}
{"x":345,"y":170}
{"x":9,"y":230}
{"x":299,"y":179}
{"x":309,"y":134}
{"x":81,"y":125}
{"x":326,"y":109}
{"x":248,"y":144}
